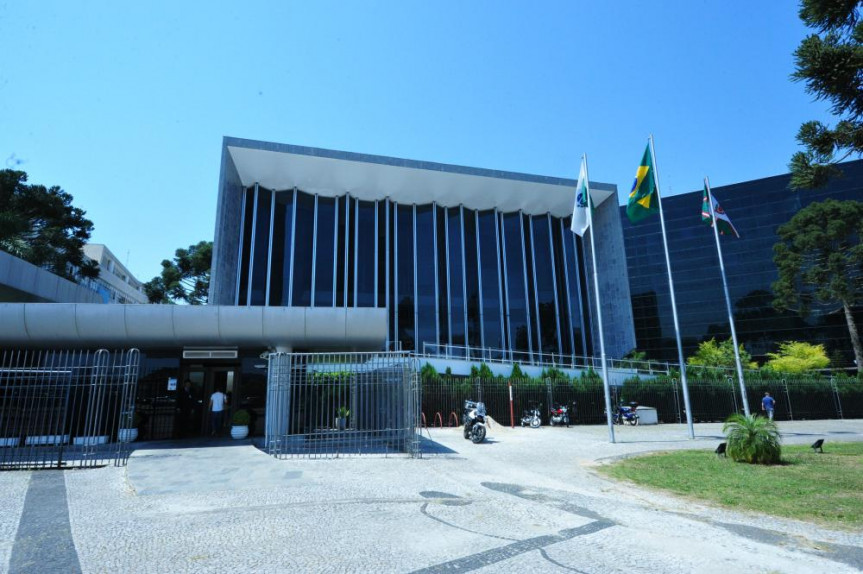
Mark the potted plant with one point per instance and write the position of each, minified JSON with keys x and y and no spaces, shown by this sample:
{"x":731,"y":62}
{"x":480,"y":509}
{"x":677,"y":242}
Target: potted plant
{"x":240,"y":424}
{"x":342,"y":415}
{"x":129,"y":423}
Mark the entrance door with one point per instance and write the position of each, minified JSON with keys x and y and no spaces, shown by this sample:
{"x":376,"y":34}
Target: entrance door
{"x":205,"y":381}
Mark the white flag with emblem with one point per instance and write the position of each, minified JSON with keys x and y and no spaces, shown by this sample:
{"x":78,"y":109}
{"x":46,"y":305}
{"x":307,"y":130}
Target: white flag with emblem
{"x":579,"y":211}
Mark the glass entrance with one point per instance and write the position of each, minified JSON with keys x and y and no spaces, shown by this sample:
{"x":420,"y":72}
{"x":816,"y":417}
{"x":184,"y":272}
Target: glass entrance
{"x":195,"y":416}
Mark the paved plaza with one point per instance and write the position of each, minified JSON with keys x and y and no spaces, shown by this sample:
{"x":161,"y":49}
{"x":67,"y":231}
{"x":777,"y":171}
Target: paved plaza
{"x":525,"y":501}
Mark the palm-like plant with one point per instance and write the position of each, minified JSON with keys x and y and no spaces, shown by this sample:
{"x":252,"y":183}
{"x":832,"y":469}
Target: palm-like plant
{"x":752,"y":439}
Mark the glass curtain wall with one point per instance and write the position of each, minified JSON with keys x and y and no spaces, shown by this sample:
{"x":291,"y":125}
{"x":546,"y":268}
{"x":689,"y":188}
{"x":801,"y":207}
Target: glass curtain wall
{"x":449,"y":276}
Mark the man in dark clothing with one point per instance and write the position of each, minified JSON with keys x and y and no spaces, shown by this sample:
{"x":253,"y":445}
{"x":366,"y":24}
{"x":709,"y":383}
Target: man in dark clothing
{"x":186,"y":404}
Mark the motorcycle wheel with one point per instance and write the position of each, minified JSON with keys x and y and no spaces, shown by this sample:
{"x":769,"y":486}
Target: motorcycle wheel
{"x":535,"y":422}
{"x":466,"y":431}
{"x":633,"y":421}
{"x":551,"y":421}
{"x":477,"y":434}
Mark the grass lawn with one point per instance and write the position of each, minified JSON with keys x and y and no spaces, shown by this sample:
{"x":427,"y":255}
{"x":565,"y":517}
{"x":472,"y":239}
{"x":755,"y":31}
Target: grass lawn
{"x":825,"y":488}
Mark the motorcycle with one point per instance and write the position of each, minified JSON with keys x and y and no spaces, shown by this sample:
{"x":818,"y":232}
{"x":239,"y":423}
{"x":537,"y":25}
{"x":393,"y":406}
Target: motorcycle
{"x":626,"y":414}
{"x":558,"y":415}
{"x":530,"y":416}
{"x":473,"y":419}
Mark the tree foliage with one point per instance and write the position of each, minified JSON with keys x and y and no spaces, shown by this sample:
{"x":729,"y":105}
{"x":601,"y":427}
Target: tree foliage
{"x":830,"y":63}
{"x":752,"y":439}
{"x":185,"y":279}
{"x":40,"y":225}
{"x":819,"y":258}
{"x":719,"y":355}
{"x":798,"y":357}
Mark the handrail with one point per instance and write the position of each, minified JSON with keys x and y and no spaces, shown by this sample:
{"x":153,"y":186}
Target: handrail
{"x":557,"y":360}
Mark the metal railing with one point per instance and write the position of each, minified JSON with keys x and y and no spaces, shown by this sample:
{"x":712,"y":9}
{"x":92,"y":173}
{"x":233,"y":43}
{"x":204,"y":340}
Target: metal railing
{"x":62,"y":409}
{"x":340,"y":404}
{"x":539,"y":359}
{"x":711,"y":400}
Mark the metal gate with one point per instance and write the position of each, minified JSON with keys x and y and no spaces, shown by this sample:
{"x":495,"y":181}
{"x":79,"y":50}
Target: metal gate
{"x":66,"y":409}
{"x":340,"y":404}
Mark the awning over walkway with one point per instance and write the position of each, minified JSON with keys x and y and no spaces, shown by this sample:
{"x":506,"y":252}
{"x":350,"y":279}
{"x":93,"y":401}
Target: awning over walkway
{"x":158,"y":326}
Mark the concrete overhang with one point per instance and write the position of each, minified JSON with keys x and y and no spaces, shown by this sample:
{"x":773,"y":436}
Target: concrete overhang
{"x":332,"y":173}
{"x":77,"y":325}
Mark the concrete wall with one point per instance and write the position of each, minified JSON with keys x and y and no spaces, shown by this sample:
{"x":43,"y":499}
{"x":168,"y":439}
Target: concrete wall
{"x":226,"y":239}
{"x":617,"y":319}
{"x":24,"y":282}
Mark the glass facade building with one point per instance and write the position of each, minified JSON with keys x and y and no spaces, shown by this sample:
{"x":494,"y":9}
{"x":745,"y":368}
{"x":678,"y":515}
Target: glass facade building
{"x":467,"y":262}
{"x":508,"y":283}
{"x":757,"y":208}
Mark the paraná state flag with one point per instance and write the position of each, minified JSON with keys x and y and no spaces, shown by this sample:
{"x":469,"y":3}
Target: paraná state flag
{"x":580,"y":221}
{"x":722,"y":220}
{"x":643,"y":201}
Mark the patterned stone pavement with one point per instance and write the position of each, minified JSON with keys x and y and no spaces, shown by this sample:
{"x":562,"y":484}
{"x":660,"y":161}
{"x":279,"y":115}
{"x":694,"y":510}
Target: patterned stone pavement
{"x":523,"y":501}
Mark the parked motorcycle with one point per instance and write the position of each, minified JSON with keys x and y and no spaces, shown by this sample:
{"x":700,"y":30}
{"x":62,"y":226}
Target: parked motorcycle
{"x":626,"y":414}
{"x":531,"y":417}
{"x":473,"y":419}
{"x":558,"y":415}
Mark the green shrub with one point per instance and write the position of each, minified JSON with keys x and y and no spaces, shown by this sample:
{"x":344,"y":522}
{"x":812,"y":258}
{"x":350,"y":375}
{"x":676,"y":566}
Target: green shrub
{"x":752,"y":439}
{"x":798,"y":357}
{"x":241,"y":418}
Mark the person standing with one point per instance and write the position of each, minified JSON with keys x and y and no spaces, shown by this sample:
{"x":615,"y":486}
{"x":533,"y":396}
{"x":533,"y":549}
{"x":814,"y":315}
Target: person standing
{"x":218,"y":402}
{"x":767,"y":404}
{"x":187,"y":402}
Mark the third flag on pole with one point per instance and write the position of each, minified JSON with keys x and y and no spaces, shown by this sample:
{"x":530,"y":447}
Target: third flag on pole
{"x":722,"y":219}
{"x":642,"y":199}
{"x":579,"y":211}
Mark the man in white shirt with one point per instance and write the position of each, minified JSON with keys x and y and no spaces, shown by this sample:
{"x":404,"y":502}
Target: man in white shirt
{"x":218,"y":401}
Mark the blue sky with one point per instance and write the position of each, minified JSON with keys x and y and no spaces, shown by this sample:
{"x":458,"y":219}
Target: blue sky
{"x":125,"y":105}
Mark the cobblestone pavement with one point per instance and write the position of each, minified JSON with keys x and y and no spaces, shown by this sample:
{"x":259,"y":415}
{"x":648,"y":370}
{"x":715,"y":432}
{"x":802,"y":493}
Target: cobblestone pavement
{"x":525,"y":500}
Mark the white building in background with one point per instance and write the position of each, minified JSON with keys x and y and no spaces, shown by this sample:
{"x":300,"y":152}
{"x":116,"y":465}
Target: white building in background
{"x":115,"y":282}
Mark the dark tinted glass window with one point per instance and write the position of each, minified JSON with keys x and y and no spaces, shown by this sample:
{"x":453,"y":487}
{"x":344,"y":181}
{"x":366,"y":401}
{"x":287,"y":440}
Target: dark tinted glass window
{"x":474,"y":332}
{"x":488,"y":260}
{"x":325,"y":262}
{"x":246,"y":257}
{"x":261,"y":247}
{"x":382,"y":248}
{"x":280,"y":275}
{"x":365,"y":281}
{"x":533,"y":315}
{"x":391,"y":270}
{"x":456,"y":276}
{"x":303,"y":240}
{"x":350,"y":255}
{"x":442,"y":282}
{"x":341,"y":242}
{"x":426,"y":264}
{"x":573,"y":276}
{"x":545,"y":285}
{"x":515,"y":283}
{"x":404,"y":276}
{"x":566,"y":342}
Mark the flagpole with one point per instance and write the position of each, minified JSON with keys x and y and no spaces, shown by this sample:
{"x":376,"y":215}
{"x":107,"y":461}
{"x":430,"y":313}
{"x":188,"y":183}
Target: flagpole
{"x":727,"y":297}
{"x":605,"y":385}
{"x":686,"y":404}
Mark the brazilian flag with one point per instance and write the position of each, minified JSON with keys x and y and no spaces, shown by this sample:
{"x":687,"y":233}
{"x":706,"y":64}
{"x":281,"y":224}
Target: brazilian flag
{"x":643,"y":200}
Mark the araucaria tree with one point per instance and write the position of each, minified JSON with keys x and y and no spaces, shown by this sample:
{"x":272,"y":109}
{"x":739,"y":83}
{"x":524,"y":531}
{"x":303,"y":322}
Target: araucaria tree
{"x":820,"y":260}
{"x":40,"y":225}
{"x":185,"y":279}
{"x":831,"y":64}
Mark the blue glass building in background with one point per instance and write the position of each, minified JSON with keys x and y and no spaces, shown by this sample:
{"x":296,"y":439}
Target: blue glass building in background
{"x":757,"y":208}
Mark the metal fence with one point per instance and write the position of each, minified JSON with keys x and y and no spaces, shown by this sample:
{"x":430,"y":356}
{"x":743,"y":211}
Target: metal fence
{"x":66,"y":409}
{"x":711,"y":401}
{"x":340,"y":404}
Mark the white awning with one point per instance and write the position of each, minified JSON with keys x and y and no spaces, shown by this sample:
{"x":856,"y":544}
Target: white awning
{"x":332,"y":173}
